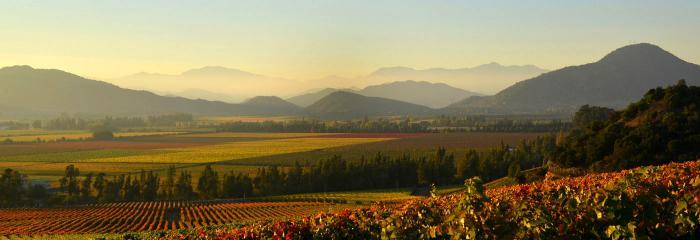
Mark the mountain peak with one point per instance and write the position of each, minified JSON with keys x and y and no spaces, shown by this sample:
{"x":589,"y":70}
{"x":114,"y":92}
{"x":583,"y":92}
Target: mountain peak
{"x":392,"y":70}
{"x":640,"y":52}
{"x":347,"y":105}
{"x":342,"y":93}
{"x":17,"y":68}
{"x":216,"y":71}
{"x":264,"y":99}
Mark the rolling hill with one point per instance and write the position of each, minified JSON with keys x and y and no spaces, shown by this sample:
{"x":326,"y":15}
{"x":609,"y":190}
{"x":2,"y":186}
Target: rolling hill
{"x":271,"y":105}
{"x":28,"y":91}
{"x":616,"y":80}
{"x":306,"y":99}
{"x":435,"y":95}
{"x":347,"y":105}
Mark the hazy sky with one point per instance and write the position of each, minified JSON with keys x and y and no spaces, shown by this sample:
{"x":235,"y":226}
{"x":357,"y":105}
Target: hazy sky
{"x":311,"y":39}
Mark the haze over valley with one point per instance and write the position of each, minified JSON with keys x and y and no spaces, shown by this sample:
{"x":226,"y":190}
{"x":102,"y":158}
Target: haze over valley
{"x":233,"y":85}
{"x":616,"y":80}
{"x":392,"y":119}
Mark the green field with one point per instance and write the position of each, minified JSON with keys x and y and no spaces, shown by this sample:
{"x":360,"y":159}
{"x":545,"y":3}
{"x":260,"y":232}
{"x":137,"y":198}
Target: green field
{"x":418,"y":145}
{"x":238,"y":150}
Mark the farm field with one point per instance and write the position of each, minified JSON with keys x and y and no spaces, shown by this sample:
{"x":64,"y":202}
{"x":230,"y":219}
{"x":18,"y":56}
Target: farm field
{"x":50,"y":136}
{"x":237,"y":152}
{"x":111,"y":218}
{"x":47,"y":160}
{"x":415,"y":144}
{"x":658,"y":202}
{"x":149,"y":216}
{"x":258,"y":135}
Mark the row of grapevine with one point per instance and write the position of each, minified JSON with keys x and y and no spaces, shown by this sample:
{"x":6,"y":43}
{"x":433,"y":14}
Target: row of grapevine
{"x":645,"y":203}
{"x":147,"y":216}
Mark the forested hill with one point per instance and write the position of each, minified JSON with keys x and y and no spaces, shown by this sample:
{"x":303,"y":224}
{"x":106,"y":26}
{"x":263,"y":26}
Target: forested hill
{"x":616,"y":80}
{"x":662,"y":127}
{"x":28,"y":91}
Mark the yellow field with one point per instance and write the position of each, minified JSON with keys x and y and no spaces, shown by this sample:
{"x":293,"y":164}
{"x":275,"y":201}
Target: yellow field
{"x":12,"y":133}
{"x":49,"y":168}
{"x":239,"y":150}
{"x":28,"y":136}
{"x":255,"y":135}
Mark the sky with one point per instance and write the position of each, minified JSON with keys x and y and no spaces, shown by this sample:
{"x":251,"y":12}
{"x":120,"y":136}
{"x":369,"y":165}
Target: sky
{"x":312,"y":39}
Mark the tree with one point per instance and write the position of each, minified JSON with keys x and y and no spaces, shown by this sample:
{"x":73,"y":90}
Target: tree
{"x":208,"y":184}
{"x":38,"y":195}
{"x":587,"y":115}
{"x":168,"y":187}
{"x":514,"y":169}
{"x":11,"y":186}
{"x":183,"y":186}
{"x":36,"y":124}
{"x":99,"y":185}
{"x":103,"y":132}
{"x":69,"y":182}
{"x":149,"y":183}
{"x":85,"y":187}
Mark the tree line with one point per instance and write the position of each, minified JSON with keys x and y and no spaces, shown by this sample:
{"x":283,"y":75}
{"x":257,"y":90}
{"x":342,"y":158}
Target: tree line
{"x":79,"y":123}
{"x":497,"y":124}
{"x":332,"y":174}
{"x":405,"y":125}
{"x":383,"y":125}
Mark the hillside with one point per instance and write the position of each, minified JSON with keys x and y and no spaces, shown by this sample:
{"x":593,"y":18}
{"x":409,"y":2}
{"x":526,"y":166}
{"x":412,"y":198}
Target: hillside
{"x":662,"y":127}
{"x":616,"y":80}
{"x":346,"y":105}
{"x":434,"y":95}
{"x":271,"y":105}
{"x":306,"y":99}
{"x":28,"y":91}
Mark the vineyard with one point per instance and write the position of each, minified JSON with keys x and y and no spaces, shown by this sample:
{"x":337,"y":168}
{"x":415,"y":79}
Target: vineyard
{"x":148,"y":216}
{"x":643,"y":203}
{"x":360,"y":197}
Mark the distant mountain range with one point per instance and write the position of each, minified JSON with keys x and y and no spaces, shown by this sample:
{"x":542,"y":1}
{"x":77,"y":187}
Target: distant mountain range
{"x":211,"y":83}
{"x":347,"y":105}
{"x":233,"y":85}
{"x":25,"y":91}
{"x":194,"y":93}
{"x":434,"y":95}
{"x":486,"y":78}
{"x":616,"y":80}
